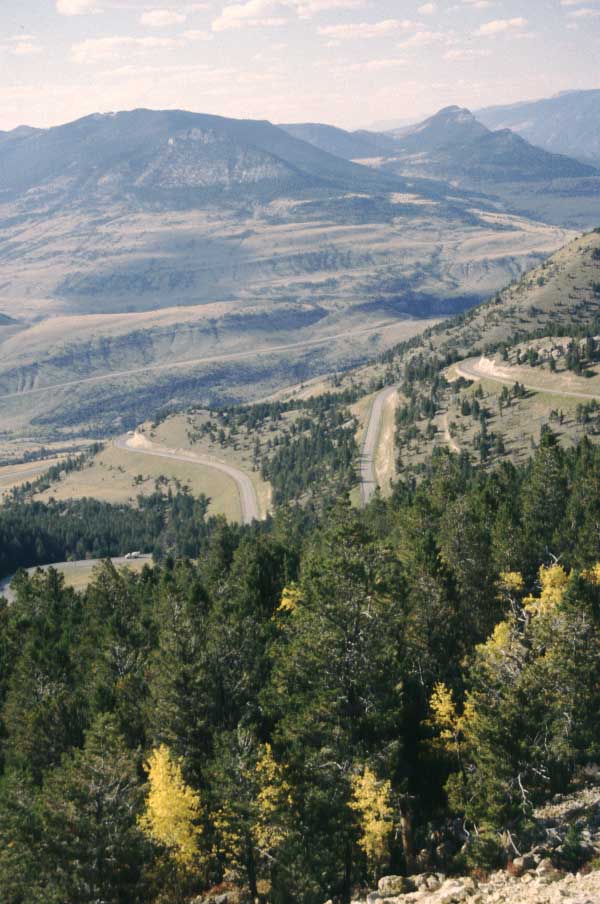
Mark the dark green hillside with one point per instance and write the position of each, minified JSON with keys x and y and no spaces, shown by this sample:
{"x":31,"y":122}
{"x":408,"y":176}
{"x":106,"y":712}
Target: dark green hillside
{"x":292,"y":673}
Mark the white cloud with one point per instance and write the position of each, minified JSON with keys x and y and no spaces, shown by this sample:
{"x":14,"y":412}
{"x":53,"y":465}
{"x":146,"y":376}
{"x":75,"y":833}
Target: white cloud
{"x":428,"y":9}
{"x":378,"y":65}
{"x":186,"y":70}
{"x":251,"y":13}
{"x":95,"y":50}
{"x":22,"y":45}
{"x":26,"y":48}
{"x":308,"y":8}
{"x":160,"y":18}
{"x":585,"y":13}
{"x":276,"y":12}
{"x":424,"y":39}
{"x":477,"y":4}
{"x":375,"y":65}
{"x":466,"y":53}
{"x":196,"y":34}
{"x":75,"y":7}
{"x":367,"y":29}
{"x":499,"y":26}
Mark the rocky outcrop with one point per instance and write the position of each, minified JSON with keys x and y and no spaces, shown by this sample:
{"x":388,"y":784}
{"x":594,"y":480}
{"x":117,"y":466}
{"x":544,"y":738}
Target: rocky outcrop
{"x":542,"y":885}
{"x":564,"y":866}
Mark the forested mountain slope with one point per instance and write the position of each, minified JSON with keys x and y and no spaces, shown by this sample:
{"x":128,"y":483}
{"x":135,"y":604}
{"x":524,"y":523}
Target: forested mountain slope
{"x":290,"y":710}
{"x":315,"y":701}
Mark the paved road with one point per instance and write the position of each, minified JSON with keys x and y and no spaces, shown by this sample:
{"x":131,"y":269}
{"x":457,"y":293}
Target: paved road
{"x":246,"y":490}
{"x":5,"y":476}
{"x":191,"y":362}
{"x":472,"y":368}
{"x":368,"y":478}
{"x":82,"y":563}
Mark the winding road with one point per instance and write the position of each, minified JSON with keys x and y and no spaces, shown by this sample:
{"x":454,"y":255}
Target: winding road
{"x":246,"y":490}
{"x":5,"y":583}
{"x":192,"y":362}
{"x":7,"y":476}
{"x":368,"y":478}
{"x":485,"y":369}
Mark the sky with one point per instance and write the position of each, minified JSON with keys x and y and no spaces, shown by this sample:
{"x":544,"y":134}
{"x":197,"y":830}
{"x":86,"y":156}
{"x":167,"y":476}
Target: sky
{"x":353,"y":63}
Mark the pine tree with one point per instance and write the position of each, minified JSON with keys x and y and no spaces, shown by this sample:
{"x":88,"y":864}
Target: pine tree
{"x":180,"y":701}
{"x":336,"y":689}
{"x":91,"y":848}
{"x":44,"y":712}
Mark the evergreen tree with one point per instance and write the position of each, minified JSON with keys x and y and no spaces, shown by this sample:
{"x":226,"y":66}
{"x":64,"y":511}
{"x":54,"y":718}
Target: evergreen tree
{"x":336,"y":689}
{"x":91,"y":848}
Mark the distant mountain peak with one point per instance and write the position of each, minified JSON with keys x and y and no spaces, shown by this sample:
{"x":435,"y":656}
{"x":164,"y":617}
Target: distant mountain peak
{"x":453,"y":112}
{"x":451,"y":125}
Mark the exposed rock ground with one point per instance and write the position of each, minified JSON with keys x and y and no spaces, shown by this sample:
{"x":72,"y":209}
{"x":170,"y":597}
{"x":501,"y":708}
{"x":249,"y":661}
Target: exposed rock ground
{"x":569,"y":827}
{"x":544,"y":885}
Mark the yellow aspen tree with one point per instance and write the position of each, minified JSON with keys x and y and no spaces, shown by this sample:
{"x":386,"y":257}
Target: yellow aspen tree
{"x":273,"y":803}
{"x":511,"y":582}
{"x":453,"y":728}
{"x":554,"y":580}
{"x":291,"y":596}
{"x":371,"y":800}
{"x":445,"y":717}
{"x":172,"y":808}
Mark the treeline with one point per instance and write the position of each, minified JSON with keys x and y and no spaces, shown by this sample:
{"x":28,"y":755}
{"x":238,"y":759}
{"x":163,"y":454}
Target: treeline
{"x":36,"y":533}
{"x":55,"y":473}
{"x":311,"y":703}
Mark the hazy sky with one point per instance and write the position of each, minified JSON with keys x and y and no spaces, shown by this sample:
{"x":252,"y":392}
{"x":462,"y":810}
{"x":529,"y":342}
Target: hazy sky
{"x":350,"y":62}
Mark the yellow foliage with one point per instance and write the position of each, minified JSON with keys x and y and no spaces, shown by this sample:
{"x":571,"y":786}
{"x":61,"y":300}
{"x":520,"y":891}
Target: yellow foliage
{"x":443,"y":709}
{"x":501,"y":638}
{"x":261,"y":813}
{"x":371,"y":799}
{"x":231,"y":839}
{"x":593,"y":574}
{"x":273,"y":801}
{"x":446,"y":719}
{"x":512,"y":582}
{"x":172,"y":808}
{"x":554,"y":581}
{"x":290,"y":599}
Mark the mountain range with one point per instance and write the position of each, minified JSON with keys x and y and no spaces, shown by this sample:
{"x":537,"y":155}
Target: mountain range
{"x":169,"y":156}
{"x":452,"y":144}
{"x":456,"y":147}
{"x":157,"y":245}
{"x":566,"y":124}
